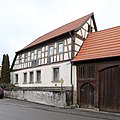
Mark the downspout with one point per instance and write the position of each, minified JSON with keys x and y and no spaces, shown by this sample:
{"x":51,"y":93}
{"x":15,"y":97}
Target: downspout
{"x":72,"y":56}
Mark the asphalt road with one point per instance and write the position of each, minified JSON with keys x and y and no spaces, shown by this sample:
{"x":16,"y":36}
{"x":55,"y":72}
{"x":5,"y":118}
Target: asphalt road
{"x":11,"y":109}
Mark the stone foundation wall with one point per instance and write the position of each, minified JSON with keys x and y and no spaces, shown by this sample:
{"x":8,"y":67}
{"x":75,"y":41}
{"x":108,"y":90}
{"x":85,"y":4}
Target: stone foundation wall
{"x":57,"y":99}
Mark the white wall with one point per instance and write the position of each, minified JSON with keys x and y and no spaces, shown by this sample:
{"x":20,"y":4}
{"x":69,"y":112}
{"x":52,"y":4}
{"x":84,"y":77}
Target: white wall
{"x":46,"y":75}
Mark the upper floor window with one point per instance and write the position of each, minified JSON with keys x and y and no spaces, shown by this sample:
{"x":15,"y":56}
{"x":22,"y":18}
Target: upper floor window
{"x":25,"y":57}
{"x":89,"y":28}
{"x":56,"y":74}
{"x":20,"y":58}
{"x":51,"y":50}
{"x":32,"y":56}
{"x":60,"y":48}
{"x":39,"y":54}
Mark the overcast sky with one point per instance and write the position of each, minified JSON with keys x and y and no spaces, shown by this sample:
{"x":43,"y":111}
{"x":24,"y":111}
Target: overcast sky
{"x":22,"y":21}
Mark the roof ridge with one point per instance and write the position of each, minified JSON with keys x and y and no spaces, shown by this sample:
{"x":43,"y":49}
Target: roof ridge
{"x":59,"y":31}
{"x":107,"y":29}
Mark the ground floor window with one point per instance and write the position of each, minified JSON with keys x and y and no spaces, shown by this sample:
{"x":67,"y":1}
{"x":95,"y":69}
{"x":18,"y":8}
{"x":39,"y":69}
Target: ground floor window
{"x":31,"y":77}
{"x":16,"y":78}
{"x":56,"y":74}
{"x":38,"y":76}
{"x":25,"y":78}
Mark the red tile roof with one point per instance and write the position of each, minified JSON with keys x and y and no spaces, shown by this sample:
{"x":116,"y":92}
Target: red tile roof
{"x":59,"y":31}
{"x":101,"y":44}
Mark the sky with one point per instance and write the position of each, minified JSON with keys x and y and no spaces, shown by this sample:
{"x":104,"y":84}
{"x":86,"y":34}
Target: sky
{"x":22,"y":21}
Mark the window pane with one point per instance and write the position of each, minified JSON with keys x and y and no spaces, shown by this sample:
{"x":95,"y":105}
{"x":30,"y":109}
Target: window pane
{"x":25,"y":57}
{"x":31,"y":76}
{"x":38,"y":76}
{"x":25,"y":77}
{"x":16,"y":78}
{"x":50,"y":51}
{"x":32,"y":56}
{"x":60,"y":48}
{"x":39,"y":54}
{"x":20,"y":58}
{"x":56,"y":74}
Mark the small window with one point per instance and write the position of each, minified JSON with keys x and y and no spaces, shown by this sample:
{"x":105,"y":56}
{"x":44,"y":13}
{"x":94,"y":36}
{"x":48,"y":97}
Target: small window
{"x":32,"y":56}
{"x":60,"y":48}
{"x":89,"y":28}
{"x":25,"y":77}
{"x":38,"y":77}
{"x":56,"y":74}
{"x":86,"y":71}
{"x":39,"y":54}
{"x":31,"y":77}
{"x":51,"y":50}
{"x":25,"y":57}
{"x":20,"y":58}
{"x":16,"y":78}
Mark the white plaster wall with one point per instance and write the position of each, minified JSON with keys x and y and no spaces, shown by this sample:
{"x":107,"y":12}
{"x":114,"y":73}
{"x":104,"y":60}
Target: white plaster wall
{"x":74,"y":78}
{"x":46,"y":75}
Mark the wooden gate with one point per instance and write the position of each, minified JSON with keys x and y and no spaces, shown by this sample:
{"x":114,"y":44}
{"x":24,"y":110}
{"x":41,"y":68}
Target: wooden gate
{"x":87,"y":96}
{"x":109,"y":89}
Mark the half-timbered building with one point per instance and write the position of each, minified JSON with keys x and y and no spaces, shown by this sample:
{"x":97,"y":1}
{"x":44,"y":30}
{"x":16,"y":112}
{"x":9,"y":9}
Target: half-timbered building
{"x":98,"y":71}
{"x":45,"y":64}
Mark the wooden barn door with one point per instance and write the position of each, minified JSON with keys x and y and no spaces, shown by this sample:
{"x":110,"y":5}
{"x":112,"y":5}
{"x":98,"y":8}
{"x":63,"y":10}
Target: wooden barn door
{"x":87,"y":96}
{"x":109,"y":82}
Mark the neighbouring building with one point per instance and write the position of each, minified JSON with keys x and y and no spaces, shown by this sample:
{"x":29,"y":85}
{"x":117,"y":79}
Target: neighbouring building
{"x":44,"y":69}
{"x":98,"y":71}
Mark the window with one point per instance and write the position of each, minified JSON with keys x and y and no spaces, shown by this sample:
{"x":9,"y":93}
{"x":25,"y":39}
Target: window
{"x":16,"y":78}
{"x":60,"y":48}
{"x":38,"y":76}
{"x":25,"y":77}
{"x":39,"y":54}
{"x":51,"y":50}
{"x":56,"y":74}
{"x":50,"y":55}
{"x":20,"y":58}
{"x":86,"y":71}
{"x":31,"y":77}
{"x":89,"y":28}
{"x":25,"y":57}
{"x":32,"y":56}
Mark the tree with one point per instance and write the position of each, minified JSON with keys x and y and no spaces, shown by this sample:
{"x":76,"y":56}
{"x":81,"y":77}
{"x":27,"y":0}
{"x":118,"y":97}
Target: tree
{"x":5,"y":71}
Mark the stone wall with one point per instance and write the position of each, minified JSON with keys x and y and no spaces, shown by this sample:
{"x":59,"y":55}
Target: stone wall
{"x":57,"y":99}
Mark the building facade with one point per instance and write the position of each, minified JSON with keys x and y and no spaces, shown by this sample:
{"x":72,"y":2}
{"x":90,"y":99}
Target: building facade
{"x":45,"y":64}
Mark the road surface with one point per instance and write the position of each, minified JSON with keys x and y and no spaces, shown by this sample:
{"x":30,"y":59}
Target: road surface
{"x":11,"y":109}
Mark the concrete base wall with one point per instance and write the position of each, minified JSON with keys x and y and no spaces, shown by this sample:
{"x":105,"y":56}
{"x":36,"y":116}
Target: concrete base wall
{"x":75,"y":98}
{"x":48,"y":98}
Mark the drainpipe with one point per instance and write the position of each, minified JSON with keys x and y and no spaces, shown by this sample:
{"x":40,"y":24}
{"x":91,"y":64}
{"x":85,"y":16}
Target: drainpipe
{"x":72,"y":56}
